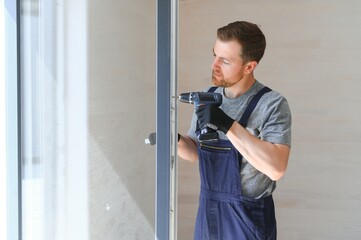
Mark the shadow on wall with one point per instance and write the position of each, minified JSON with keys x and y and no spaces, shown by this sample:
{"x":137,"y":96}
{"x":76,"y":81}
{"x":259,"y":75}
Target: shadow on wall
{"x":113,"y":209}
{"x":121,"y":115}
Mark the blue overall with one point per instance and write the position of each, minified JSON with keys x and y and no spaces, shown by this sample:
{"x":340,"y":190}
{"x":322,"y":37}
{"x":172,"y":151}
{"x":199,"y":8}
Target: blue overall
{"x":223,"y":213}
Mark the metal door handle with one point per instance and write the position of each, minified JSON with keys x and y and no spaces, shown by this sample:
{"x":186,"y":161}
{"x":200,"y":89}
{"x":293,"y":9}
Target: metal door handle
{"x":152,"y":139}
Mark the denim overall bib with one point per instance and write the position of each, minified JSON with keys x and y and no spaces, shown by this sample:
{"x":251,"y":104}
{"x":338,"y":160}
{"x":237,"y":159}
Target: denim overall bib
{"x":223,"y":213}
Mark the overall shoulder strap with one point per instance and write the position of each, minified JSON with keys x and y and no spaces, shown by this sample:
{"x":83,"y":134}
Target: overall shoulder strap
{"x":252,"y":105}
{"x":212,"y":89}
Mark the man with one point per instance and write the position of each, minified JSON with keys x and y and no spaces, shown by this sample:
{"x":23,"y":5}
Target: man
{"x":240,"y":170}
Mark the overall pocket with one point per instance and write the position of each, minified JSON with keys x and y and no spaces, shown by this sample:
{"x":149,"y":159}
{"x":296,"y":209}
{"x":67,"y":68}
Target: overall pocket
{"x":218,"y":169}
{"x":257,"y":215}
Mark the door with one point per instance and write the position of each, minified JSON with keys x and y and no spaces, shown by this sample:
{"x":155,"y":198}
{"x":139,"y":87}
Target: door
{"x":90,"y":92}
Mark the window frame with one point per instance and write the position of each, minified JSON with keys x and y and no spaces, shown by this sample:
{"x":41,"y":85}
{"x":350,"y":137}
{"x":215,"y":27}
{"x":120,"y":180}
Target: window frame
{"x":12,"y":119}
{"x":166,"y":149}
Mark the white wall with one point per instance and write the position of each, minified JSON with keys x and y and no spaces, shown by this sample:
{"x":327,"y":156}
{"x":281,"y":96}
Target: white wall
{"x":313,"y":58}
{"x":121,"y":115}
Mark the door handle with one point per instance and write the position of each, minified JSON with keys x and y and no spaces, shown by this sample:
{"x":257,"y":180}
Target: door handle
{"x":152,"y":139}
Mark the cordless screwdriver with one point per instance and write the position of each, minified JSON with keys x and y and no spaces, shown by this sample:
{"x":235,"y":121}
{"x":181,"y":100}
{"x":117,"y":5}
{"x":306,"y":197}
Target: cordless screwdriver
{"x":199,"y":99}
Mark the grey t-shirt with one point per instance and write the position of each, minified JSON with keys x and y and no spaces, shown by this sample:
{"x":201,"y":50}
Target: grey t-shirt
{"x":270,"y":121}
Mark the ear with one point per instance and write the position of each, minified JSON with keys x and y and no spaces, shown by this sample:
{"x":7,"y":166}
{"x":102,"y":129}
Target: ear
{"x":250,"y":66}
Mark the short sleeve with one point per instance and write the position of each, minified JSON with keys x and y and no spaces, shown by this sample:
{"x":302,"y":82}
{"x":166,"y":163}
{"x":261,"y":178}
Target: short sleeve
{"x":277,"y":127}
{"x":192,"y":129}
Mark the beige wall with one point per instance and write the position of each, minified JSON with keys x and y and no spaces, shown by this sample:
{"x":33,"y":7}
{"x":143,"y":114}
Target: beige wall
{"x":121,"y":114}
{"x":313,"y":57}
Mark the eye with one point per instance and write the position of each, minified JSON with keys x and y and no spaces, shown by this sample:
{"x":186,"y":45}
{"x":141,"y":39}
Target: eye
{"x":226,"y":62}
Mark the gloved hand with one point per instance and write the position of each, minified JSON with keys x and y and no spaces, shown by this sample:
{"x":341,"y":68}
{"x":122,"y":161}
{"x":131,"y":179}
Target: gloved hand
{"x":213,"y":117}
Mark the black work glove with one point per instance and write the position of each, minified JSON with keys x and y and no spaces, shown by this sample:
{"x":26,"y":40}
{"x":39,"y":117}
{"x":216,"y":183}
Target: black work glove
{"x":213,"y":117}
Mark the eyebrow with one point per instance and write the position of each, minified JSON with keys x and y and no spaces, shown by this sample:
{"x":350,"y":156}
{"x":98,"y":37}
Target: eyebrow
{"x":223,"y":58}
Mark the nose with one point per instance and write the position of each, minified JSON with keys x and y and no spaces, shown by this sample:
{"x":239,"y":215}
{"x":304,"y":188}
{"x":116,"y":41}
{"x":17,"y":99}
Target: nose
{"x":215,"y":64}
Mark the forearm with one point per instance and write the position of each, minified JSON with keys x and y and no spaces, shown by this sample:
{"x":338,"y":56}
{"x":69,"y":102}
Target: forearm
{"x":270,"y":159}
{"x":187,"y":149}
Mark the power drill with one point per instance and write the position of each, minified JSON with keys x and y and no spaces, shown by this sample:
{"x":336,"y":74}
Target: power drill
{"x":199,"y":99}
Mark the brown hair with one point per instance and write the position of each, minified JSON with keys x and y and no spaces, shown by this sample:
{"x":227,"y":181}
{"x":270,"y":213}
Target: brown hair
{"x":251,"y":38}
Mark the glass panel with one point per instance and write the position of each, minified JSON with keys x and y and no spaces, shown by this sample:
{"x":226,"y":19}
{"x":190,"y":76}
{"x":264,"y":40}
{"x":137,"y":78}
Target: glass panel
{"x":38,"y":98}
{"x":121,"y":115}
{"x":53,"y":120}
{"x":118,"y":192}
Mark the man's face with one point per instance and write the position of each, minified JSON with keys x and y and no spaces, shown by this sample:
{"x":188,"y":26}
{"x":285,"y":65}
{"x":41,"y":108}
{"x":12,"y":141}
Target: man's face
{"x":227,"y":66}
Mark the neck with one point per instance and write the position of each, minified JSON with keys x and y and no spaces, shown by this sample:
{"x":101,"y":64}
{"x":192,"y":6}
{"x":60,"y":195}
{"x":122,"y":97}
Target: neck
{"x":241,"y":87}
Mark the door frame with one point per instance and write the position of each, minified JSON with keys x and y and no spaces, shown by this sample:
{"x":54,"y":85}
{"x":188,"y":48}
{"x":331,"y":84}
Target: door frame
{"x":12,"y":120}
{"x":167,"y":133}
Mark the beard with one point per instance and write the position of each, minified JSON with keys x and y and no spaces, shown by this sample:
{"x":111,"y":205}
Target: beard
{"x":221,"y":82}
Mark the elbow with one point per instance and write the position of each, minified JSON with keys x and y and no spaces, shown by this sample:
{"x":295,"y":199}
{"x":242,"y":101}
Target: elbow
{"x":189,"y":156}
{"x":277,"y":174}
{"x":192,"y":158}
{"x":278,"y":170}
